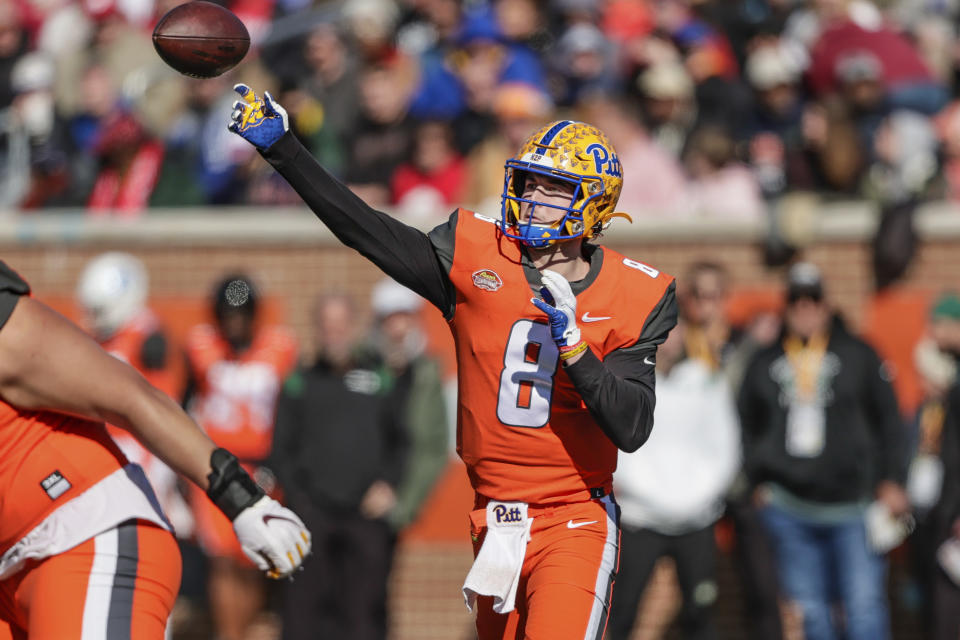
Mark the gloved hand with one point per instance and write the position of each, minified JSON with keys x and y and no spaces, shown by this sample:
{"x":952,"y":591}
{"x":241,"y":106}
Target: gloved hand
{"x":260,"y":122}
{"x":272,"y":536}
{"x":560,"y":305}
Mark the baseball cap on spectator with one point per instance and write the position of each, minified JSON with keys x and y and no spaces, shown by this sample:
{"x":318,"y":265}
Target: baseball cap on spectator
{"x":389,"y":296}
{"x":666,"y":81}
{"x":581,"y":38}
{"x":860,"y":66}
{"x":804,"y":281}
{"x":767,"y":68}
{"x":479,"y":25}
{"x":514,"y":100}
{"x":370,"y":18}
{"x":32,"y":72}
{"x":946,"y":307}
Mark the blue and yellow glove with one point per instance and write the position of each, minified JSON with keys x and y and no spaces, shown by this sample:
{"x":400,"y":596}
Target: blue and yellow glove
{"x":259,"y":121}
{"x":560,"y":305}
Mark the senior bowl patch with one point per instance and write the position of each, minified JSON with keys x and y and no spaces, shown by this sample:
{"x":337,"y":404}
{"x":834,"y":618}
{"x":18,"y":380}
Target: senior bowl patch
{"x":487,"y":280}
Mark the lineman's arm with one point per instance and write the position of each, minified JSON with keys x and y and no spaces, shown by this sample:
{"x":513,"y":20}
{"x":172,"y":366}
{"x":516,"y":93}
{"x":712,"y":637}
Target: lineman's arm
{"x":47,"y":363}
{"x":619,"y":391}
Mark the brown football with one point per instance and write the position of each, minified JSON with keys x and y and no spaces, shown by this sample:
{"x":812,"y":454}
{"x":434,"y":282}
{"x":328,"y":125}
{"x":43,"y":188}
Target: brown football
{"x":201,"y":39}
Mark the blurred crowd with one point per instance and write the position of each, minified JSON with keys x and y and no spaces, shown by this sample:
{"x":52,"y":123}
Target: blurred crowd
{"x":716,"y":108}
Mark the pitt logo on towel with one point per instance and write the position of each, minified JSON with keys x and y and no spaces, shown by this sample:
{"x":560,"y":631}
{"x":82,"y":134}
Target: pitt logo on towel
{"x":504,"y":514}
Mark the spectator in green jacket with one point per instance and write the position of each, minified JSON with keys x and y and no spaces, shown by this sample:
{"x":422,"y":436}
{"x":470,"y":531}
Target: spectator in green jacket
{"x":400,"y":337}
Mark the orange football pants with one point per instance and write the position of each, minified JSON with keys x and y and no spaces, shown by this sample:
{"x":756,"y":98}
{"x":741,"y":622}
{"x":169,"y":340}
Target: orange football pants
{"x":567,"y":575}
{"x":120,"y":584}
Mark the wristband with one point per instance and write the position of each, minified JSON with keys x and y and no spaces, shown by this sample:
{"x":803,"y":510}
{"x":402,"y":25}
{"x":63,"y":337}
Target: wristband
{"x":568,"y":352}
{"x":231,"y":488}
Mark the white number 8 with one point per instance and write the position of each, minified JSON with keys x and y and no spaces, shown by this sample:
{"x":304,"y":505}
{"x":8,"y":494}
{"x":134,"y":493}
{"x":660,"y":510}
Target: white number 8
{"x":526,"y":382}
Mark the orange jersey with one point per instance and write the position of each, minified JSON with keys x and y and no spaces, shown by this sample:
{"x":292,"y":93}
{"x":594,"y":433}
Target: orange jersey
{"x":127,"y":345}
{"x":523,"y":430}
{"x":46,"y":460}
{"x":237,"y":395}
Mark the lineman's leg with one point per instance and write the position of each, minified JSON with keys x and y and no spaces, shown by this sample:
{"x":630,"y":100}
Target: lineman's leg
{"x":695,"y":555}
{"x":120,"y":585}
{"x":639,"y":551}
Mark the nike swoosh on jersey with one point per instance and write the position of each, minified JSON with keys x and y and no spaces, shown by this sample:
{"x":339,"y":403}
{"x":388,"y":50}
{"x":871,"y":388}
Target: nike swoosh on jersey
{"x":647,"y":360}
{"x":586,"y":317}
{"x":576,"y":525}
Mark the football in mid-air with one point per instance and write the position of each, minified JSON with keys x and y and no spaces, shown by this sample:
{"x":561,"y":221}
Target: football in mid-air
{"x":201,"y":39}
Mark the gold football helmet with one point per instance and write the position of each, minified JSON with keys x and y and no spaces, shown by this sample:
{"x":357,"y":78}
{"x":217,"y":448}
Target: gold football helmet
{"x":567,"y":151}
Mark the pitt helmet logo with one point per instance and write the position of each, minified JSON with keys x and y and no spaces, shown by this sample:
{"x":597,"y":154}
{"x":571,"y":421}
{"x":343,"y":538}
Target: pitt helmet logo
{"x":504,"y":514}
{"x":604,"y":161}
{"x":487,"y":280}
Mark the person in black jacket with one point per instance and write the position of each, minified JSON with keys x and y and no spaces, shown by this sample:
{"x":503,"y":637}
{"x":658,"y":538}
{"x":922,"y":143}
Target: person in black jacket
{"x":822,"y":441}
{"x":945,"y":522}
{"x":339,"y":447}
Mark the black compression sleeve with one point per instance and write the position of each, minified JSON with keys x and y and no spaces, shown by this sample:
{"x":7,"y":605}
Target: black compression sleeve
{"x":622,"y":407}
{"x":619,"y":392}
{"x":402,"y":252}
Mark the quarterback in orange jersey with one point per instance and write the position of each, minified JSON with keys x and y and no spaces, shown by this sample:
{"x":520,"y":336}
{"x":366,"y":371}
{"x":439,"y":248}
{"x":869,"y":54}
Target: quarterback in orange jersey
{"x":112,"y":291}
{"x":555,"y":338}
{"x":85,"y":549}
{"x":236,"y":368}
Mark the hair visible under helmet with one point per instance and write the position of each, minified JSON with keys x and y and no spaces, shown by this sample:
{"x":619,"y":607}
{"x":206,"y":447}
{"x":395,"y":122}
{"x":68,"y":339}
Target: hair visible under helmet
{"x":572,"y":152}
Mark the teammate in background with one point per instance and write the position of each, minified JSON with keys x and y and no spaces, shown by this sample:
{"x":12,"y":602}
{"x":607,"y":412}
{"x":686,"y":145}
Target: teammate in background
{"x":236,"y":367}
{"x":112,"y":290}
{"x":546,"y":395}
{"x":85,"y":550}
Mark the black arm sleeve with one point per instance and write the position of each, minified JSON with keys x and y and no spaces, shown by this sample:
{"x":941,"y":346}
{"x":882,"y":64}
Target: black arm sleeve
{"x":12,"y":287}
{"x":890,"y":432}
{"x":749,"y":409}
{"x":619,"y":392}
{"x":287,"y":434}
{"x":402,"y":252}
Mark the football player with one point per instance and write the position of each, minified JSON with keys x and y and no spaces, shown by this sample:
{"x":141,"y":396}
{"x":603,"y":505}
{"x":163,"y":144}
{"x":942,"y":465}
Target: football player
{"x":556,"y":338}
{"x":236,"y":366}
{"x":112,"y":291}
{"x":85,"y":550}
